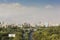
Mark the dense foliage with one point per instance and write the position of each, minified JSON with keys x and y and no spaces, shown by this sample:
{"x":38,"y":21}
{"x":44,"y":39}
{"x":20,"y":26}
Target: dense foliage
{"x":42,"y":33}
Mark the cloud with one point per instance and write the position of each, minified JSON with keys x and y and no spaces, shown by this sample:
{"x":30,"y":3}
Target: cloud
{"x":18,"y":13}
{"x":49,"y":6}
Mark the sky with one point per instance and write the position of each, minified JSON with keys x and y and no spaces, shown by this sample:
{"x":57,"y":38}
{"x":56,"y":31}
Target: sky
{"x":30,"y":11}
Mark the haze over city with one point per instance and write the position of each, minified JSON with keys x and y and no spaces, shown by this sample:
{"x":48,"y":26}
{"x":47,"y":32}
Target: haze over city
{"x":29,"y":19}
{"x":31,"y":11}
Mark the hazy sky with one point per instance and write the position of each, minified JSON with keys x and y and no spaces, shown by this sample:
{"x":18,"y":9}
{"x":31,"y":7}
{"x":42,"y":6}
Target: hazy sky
{"x":31,"y":11}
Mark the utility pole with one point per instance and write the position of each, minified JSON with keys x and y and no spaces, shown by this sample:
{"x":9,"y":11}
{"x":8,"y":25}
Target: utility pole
{"x":23,"y":35}
{"x":30,"y":35}
{"x":23,"y":32}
